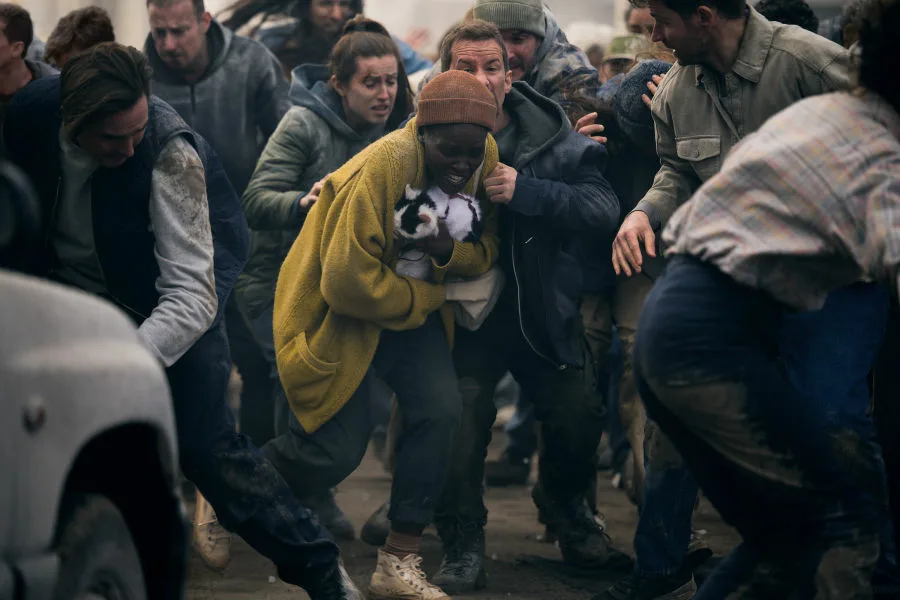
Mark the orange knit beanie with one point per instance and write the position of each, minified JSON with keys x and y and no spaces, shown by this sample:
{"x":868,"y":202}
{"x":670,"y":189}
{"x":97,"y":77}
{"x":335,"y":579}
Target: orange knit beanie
{"x":456,"y":97}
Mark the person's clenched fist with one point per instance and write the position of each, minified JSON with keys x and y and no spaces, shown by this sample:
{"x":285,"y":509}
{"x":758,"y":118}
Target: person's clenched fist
{"x":500,"y":185}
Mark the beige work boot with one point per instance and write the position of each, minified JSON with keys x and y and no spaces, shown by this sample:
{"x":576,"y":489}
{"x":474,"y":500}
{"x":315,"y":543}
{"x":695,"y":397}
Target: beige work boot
{"x":402,"y":579}
{"x":211,"y":541}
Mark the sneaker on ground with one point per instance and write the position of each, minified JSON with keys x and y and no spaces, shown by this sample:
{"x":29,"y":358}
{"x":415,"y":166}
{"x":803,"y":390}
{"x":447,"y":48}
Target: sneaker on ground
{"x":213,"y":543}
{"x":402,"y":579}
{"x":210,"y":540}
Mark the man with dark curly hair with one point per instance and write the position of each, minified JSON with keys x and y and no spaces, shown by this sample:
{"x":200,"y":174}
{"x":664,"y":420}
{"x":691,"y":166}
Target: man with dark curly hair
{"x":789,"y":12}
{"x":807,"y":205}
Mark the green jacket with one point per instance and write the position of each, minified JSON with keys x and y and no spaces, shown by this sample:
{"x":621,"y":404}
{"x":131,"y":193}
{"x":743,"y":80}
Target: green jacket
{"x":701,"y":115}
{"x":312,"y":140}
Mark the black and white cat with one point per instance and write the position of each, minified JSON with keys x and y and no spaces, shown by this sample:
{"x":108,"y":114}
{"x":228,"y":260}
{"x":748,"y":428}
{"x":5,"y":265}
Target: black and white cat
{"x":416,"y":217}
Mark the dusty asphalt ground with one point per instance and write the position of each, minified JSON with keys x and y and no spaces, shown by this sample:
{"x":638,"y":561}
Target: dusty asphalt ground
{"x":519,"y":566}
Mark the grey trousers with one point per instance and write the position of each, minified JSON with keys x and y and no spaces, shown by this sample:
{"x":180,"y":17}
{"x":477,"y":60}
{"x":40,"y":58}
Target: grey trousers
{"x":418,"y":366}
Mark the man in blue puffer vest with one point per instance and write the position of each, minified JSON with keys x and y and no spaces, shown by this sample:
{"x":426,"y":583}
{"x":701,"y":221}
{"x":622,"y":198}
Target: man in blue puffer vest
{"x":124,"y":194}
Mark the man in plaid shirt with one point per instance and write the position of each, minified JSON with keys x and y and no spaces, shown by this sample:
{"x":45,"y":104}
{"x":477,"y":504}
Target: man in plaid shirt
{"x":808,"y":204}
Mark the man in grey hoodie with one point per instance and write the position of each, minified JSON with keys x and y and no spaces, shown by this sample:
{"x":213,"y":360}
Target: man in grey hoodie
{"x":232,"y":91}
{"x":228,"y":88}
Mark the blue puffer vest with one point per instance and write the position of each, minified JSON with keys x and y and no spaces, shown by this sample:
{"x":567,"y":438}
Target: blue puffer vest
{"x":120,"y":199}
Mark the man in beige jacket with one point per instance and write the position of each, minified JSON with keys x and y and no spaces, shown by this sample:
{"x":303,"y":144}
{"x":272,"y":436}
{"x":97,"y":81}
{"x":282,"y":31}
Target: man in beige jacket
{"x":735,"y":70}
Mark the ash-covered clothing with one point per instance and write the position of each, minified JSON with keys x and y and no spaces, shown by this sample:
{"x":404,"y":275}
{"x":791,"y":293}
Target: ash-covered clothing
{"x":561,"y":199}
{"x":184,"y":250}
{"x":701,"y":115}
{"x":561,"y":71}
{"x":803,"y":492}
{"x":806,"y":205}
{"x":312,"y":140}
{"x":236,"y":105}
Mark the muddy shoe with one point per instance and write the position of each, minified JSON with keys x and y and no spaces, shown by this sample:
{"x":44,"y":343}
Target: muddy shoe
{"x":680,"y":586}
{"x":508,"y":470}
{"x":375,"y":531}
{"x":209,"y":539}
{"x":213,"y":544}
{"x":402,"y":579}
{"x":462,"y":569}
{"x":330,"y":515}
{"x":582,"y":541}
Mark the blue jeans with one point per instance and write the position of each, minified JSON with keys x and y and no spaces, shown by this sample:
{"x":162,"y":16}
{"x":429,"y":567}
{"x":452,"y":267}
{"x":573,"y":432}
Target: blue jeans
{"x":709,"y":368}
{"x":827,"y":355}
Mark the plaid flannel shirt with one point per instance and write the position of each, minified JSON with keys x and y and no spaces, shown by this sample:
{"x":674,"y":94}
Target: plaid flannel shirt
{"x":807,"y":204}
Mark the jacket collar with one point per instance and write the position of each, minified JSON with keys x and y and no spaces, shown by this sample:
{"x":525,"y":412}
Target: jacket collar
{"x":753,"y":51}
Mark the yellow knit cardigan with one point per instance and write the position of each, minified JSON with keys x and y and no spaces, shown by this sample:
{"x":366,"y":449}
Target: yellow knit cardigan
{"x":337,"y":289}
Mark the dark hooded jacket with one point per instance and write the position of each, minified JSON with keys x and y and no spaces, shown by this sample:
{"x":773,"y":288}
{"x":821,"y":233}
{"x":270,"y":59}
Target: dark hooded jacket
{"x":561,"y":199}
{"x":312,"y":140}
{"x":561,"y":70}
{"x":120,"y":199}
{"x":236,"y":105}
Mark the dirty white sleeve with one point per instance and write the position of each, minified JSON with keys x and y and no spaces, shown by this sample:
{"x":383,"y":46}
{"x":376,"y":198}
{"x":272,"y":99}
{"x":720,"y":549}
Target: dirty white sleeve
{"x":179,"y":216}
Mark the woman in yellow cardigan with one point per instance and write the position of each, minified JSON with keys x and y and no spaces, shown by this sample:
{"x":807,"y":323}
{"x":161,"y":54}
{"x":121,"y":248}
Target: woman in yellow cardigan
{"x":343,"y":317}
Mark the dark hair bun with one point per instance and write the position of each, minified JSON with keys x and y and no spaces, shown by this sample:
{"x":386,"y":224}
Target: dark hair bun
{"x":361,"y":24}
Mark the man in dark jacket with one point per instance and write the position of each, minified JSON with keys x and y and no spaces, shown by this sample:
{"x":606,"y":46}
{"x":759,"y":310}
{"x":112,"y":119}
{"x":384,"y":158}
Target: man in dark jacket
{"x":17,"y":69}
{"x":539,"y":52}
{"x":304,"y":33}
{"x":230,"y":90}
{"x":552,"y":193}
{"x":126,"y":217}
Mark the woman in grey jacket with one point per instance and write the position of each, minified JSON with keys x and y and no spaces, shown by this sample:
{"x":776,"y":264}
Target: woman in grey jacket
{"x":338,"y":110}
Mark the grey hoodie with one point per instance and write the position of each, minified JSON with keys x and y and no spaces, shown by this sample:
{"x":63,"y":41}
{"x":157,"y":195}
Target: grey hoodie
{"x":236,"y":105}
{"x":311,"y":141}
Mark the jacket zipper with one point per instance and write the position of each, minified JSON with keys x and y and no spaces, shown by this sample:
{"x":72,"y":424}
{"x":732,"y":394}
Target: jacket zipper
{"x":519,"y":303}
